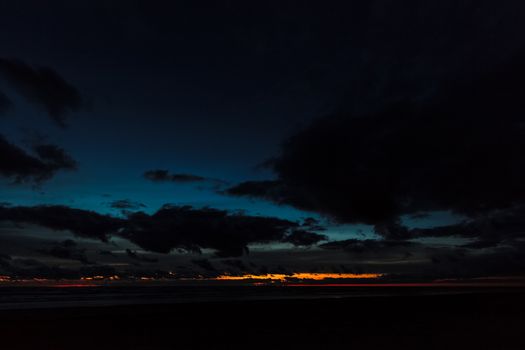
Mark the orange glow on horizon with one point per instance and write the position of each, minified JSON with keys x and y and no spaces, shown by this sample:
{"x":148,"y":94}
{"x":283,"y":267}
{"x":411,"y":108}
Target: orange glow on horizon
{"x":298,"y":276}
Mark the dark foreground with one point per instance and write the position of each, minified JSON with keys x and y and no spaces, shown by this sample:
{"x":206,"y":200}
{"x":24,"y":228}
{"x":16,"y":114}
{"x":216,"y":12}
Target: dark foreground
{"x":494,"y":320}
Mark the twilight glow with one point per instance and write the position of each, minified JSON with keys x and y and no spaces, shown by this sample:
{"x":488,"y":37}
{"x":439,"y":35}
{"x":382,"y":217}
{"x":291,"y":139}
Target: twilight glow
{"x":299,"y":276}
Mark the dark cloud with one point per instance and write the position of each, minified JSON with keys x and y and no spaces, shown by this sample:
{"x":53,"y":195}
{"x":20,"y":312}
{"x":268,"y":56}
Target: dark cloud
{"x":42,"y":270}
{"x":5,"y":257}
{"x":365,"y":245}
{"x":67,"y":250}
{"x":55,"y":156}
{"x":171,"y":227}
{"x":461,"y":150}
{"x":193,"y":229}
{"x":5,"y":261}
{"x":160,"y":175}
{"x":68,"y":243}
{"x":275,"y":191}
{"x":135,"y":256}
{"x":394,"y":230}
{"x":126,"y":204}
{"x":107,"y":253}
{"x":165,"y":176}
{"x":501,"y":226}
{"x":460,"y":263}
{"x":304,"y":238}
{"x":29,"y":262}
{"x":204,"y":264}
{"x":413,"y":261}
{"x":312,"y":224}
{"x":24,"y":268}
{"x":83,"y":223}
{"x":21,"y":166}
{"x":42,"y":86}
{"x":5,"y":103}
{"x":481,"y":244}
{"x":238,"y":264}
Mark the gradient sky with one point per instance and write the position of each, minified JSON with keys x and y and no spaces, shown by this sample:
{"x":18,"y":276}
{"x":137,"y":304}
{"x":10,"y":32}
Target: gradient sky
{"x":258,"y":108}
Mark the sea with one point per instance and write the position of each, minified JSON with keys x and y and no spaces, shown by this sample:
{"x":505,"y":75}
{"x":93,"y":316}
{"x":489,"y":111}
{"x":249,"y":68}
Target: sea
{"x":12,"y":298}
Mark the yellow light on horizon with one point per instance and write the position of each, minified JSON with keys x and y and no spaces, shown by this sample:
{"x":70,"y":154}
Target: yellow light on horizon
{"x":298,"y":276}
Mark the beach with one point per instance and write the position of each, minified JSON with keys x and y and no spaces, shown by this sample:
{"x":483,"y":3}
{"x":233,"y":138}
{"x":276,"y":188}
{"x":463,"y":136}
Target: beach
{"x":466,"y":320}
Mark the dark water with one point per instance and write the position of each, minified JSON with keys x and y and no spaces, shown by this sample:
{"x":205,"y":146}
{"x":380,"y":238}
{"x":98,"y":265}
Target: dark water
{"x":50,"y":297}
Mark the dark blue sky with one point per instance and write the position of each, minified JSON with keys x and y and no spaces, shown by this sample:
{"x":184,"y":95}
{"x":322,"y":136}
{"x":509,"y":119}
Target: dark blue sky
{"x":160,"y":94}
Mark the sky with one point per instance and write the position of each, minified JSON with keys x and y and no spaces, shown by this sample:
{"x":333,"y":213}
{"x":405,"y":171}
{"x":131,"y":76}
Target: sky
{"x":149,"y":138}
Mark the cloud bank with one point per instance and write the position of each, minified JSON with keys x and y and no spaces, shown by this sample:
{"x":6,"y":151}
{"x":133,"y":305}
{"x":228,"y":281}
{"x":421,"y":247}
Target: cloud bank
{"x":461,"y":150}
{"x":171,"y":227}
